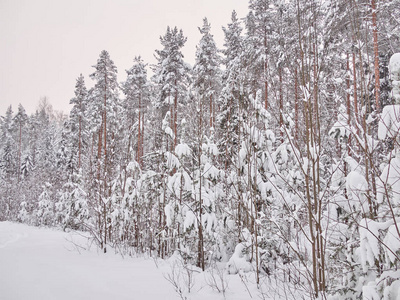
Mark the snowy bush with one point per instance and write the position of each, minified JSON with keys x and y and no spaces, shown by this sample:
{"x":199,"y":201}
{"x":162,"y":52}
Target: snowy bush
{"x":240,"y":260}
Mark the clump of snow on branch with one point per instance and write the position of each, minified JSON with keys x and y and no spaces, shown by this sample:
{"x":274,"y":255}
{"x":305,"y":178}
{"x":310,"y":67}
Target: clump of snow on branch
{"x":165,"y":125}
{"x":389,"y":124}
{"x":356,"y":184}
{"x":182,"y":150}
{"x":340,"y":129}
{"x":389,"y":183}
{"x":394,"y":68}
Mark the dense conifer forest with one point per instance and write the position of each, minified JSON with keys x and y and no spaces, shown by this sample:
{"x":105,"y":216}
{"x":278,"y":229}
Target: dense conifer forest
{"x":277,"y":154}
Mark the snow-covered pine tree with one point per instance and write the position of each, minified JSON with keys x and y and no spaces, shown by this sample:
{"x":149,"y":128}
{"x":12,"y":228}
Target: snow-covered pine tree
{"x":171,"y":77}
{"x":206,"y":85}
{"x":171,"y":80}
{"x":106,"y":104}
{"x":229,"y":100}
{"x":259,"y":44}
{"x":206,"y":73}
{"x":136,"y":90}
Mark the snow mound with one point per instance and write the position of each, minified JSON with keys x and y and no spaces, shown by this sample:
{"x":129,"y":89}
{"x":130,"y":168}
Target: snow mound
{"x":238,"y":261}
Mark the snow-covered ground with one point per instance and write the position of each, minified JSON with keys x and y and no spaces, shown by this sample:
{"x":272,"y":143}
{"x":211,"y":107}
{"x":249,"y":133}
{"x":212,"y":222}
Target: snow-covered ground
{"x":41,"y":263}
{"x":45,"y":264}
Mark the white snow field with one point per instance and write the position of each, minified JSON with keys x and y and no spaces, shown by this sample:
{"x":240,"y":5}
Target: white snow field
{"x":47,"y":264}
{"x":43,"y":264}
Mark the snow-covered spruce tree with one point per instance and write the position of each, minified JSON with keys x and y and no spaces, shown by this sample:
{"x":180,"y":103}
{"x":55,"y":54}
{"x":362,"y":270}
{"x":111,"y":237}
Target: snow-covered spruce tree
{"x":9,"y":153}
{"x":8,"y":164}
{"x":20,"y":119}
{"x":72,"y":209}
{"x":71,"y":205}
{"x":228,"y":116}
{"x":178,"y":194}
{"x":78,"y":121}
{"x":171,"y":81}
{"x":28,"y":147}
{"x":105,"y":109}
{"x":31,"y":182}
{"x":205,"y":86}
{"x":206,"y":74}
{"x":213,"y":212}
{"x":247,"y":186}
{"x":46,"y":175}
{"x":252,"y":170}
{"x":126,"y":187}
{"x":171,"y":77}
{"x":232,"y":103}
{"x":150,"y":193}
{"x":128,"y":209}
{"x":21,"y":122}
{"x":47,"y":138}
{"x":46,"y":209}
{"x":202,"y":211}
{"x":162,"y":165}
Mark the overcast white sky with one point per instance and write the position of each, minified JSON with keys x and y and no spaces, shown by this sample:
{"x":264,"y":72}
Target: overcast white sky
{"x":46,"y":44}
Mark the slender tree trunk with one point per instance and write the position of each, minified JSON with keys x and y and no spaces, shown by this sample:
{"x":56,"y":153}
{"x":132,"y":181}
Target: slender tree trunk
{"x":80,"y":133}
{"x":211,"y":110}
{"x":175,"y":115}
{"x":139,"y":139}
{"x":105,"y":165}
{"x":309,"y":73}
{"x":376,"y":55}
{"x":200,"y":225}
{"x":19,"y":151}
{"x":99,"y":148}
{"x":254,"y":209}
{"x":265,"y":71}
{"x":280,"y":104}
{"x":348,"y":105}
{"x":296,"y":106}
{"x":142,"y":142}
{"x":355,"y":99}
{"x":161,"y":220}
